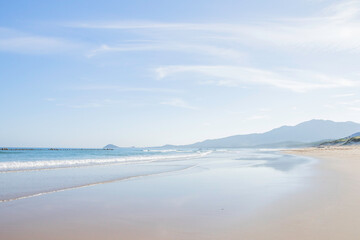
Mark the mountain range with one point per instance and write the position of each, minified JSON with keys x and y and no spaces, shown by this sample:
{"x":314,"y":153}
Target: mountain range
{"x":309,"y":133}
{"x":304,"y":134}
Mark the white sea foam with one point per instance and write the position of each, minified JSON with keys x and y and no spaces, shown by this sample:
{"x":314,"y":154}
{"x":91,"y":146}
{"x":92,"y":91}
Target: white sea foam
{"x":162,"y":150}
{"x":53,"y":164}
{"x":222,"y":150}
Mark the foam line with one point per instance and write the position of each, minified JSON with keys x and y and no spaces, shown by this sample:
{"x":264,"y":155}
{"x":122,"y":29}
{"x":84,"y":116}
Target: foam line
{"x":56,"y":164}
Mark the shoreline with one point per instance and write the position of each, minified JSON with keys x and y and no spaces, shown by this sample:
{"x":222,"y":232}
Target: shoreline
{"x":341,"y":159}
{"x":214,"y":199}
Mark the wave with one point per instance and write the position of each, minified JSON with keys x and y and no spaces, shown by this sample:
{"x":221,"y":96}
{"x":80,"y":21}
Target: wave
{"x":15,"y":166}
{"x":163,"y":150}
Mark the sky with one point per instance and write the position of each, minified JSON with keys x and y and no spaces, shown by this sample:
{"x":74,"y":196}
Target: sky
{"x":148,"y":73}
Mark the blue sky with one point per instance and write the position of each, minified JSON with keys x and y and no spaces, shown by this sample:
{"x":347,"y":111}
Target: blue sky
{"x":145,"y":73}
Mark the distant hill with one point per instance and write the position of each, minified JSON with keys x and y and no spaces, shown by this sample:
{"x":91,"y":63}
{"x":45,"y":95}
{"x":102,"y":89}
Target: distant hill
{"x":353,"y":139}
{"x":303,"y":134}
{"x":355,"y":135}
{"x":111,"y":146}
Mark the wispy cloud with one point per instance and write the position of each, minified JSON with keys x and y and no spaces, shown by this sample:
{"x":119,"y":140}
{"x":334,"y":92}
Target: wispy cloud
{"x":352,"y":105}
{"x":91,"y":104}
{"x":81,"y":106}
{"x":258,"y":117}
{"x":354,"y":108}
{"x":292,"y":79}
{"x":336,"y":28}
{"x":344,"y":95}
{"x":170,"y":46}
{"x":265,"y":110}
{"x":88,"y":105}
{"x":18,"y":42}
{"x":132,"y":25}
{"x":177,"y":102}
{"x":118,"y":88}
{"x":355,"y":102}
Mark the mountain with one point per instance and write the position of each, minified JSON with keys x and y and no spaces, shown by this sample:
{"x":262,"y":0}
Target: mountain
{"x":353,"y":139}
{"x":354,"y":135}
{"x":111,"y":146}
{"x":285,"y":136}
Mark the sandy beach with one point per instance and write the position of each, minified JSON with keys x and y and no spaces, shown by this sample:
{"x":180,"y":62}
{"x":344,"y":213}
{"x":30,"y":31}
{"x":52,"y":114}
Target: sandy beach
{"x":330,"y":210}
{"x":219,"y":198}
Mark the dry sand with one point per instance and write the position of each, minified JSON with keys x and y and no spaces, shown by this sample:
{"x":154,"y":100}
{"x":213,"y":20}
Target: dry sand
{"x":330,"y":210}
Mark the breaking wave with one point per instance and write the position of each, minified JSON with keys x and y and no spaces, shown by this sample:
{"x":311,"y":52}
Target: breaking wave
{"x":54,"y":164}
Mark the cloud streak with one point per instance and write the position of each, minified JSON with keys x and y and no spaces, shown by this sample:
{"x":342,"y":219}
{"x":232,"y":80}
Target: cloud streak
{"x":18,"y":42}
{"x":291,"y":79}
{"x":204,"y":49}
{"x":336,"y":28}
{"x":126,"y":89}
{"x":178,"y":102}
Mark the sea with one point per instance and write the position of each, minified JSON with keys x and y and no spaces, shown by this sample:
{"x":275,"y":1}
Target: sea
{"x":30,"y":173}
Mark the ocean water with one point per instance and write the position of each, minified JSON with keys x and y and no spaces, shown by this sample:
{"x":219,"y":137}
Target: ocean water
{"x":37,"y":159}
{"x":33,"y":173}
